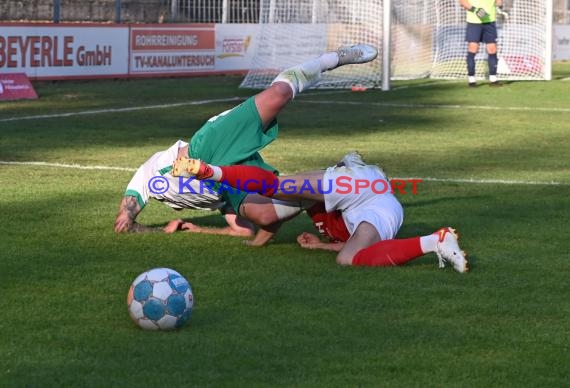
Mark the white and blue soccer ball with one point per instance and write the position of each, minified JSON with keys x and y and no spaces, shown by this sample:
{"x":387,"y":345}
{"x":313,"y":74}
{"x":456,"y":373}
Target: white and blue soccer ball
{"x":160,"y":299}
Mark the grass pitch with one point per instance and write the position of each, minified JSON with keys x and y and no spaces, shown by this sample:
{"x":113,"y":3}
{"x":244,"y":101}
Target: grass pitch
{"x":283,"y":316}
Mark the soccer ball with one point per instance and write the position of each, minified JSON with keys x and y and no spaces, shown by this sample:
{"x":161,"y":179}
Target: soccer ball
{"x":160,"y":299}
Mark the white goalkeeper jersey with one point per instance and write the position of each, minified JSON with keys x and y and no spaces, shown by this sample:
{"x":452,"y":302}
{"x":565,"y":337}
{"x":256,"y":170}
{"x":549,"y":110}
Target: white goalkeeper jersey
{"x":154,"y":180}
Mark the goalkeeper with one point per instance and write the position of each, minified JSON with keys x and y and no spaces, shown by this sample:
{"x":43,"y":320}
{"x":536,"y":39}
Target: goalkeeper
{"x":481,"y":27}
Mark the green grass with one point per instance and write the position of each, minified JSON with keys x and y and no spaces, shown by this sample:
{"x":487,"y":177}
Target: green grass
{"x":280,"y":315}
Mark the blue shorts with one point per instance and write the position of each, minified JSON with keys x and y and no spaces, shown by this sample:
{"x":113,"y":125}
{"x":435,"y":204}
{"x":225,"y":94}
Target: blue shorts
{"x":481,"y":32}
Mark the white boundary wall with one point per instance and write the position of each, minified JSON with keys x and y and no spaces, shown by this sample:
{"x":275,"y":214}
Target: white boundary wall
{"x":561,"y":42}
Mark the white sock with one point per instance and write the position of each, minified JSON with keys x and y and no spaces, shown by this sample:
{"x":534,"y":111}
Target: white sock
{"x":307,"y":74}
{"x":493,"y":78}
{"x":429,"y":243}
{"x":217,"y":173}
{"x":329,"y":60}
{"x":286,"y":209}
{"x":472,"y":79}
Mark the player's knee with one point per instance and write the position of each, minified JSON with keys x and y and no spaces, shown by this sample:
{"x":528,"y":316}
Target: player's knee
{"x":262,"y":218}
{"x":270,"y":102}
{"x":282,"y":91}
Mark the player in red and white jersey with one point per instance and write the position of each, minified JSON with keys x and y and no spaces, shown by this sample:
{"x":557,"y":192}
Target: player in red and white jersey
{"x":371,"y":219}
{"x":329,"y":224}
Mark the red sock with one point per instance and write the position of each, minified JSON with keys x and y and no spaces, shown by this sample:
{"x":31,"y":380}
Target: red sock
{"x":250,"y":178}
{"x":389,"y":252}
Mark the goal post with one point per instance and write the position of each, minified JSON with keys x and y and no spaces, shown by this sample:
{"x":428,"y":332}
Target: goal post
{"x":426,"y":40}
{"x":386,"y":46}
{"x":294,"y":31}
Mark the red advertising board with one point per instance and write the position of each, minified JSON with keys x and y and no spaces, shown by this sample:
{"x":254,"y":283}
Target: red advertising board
{"x":172,"y":49}
{"x":16,"y":86}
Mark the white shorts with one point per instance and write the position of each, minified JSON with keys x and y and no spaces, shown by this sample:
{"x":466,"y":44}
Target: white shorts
{"x":374,"y":204}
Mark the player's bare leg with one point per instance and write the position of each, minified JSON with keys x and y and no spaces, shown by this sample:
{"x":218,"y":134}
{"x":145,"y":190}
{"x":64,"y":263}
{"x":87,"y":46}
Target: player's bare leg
{"x":264,"y":211}
{"x":306,"y":186}
{"x":298,"y":78}
{"x":268,"y":214}
{"x":364,"y":236}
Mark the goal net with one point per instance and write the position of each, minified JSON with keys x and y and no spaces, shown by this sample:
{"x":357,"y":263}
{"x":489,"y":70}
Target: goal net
{"x":427,"y":40}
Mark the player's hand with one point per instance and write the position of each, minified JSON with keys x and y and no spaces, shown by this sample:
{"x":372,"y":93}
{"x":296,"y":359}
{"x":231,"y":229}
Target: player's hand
{"x":190,"y":227}
{"x":123,"y":223}
{"x":173,"y":226}
{"x":253,"y":243}
{"x":481,"y":13}
{"x":308,"y":240}
{"x":503,"y":13}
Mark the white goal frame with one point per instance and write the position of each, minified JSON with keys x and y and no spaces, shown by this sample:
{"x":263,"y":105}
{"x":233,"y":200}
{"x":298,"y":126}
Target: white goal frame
{"x":416,"y":39}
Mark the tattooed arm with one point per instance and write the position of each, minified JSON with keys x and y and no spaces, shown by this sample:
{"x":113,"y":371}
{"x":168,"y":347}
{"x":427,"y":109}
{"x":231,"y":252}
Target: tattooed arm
{"x":125,"y":221}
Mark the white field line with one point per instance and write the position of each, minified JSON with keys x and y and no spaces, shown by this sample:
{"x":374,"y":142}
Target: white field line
{"x":116,"y":110}
{"x":63,"y":165}
{"x":433,"y":106}
{"x":230,"y":99}
{"x":425,"y":84}
{"x":489,"y":181}
{"x":425,"y":179}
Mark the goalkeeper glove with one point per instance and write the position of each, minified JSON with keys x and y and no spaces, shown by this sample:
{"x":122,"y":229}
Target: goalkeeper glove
{"x":501,"y":12}
{"x":480,"y":12}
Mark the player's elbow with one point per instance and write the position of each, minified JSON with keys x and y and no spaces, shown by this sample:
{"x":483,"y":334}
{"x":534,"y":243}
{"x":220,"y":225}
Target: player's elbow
{"x":344,"y":258}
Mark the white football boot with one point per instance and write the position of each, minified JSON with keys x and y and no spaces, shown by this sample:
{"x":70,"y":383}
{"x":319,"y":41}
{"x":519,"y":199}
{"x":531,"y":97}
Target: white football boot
{"x":448,"y":251}
{"x":351,"y":159}
{"x":359,"y":53}
{"x":354,"y":159}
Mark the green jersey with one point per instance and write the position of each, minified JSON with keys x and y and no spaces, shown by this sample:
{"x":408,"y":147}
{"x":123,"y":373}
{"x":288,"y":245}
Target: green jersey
{"x":232,"y":137}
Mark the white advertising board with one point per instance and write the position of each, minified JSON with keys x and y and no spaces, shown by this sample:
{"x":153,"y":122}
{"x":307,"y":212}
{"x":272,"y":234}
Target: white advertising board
{"x":234,"y":46}
{"x":561,"y":42}
{"x":59,"y":51}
